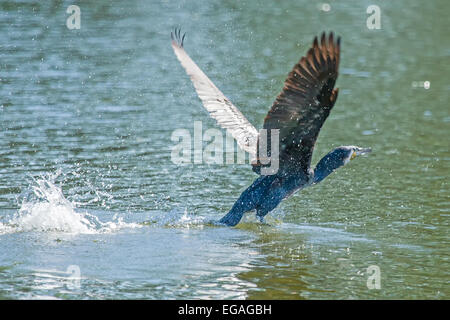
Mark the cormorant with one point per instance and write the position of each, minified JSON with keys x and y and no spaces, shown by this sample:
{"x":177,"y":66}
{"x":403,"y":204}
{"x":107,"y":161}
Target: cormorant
{"x":297,"y":115}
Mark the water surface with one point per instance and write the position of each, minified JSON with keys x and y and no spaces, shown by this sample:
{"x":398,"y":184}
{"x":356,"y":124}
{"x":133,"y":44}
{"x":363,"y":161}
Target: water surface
{"x":86,"y":177}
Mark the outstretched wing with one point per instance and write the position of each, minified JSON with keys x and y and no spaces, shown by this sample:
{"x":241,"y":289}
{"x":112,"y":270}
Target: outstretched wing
{"x":304,"y":104}
{"x":218,"y":106}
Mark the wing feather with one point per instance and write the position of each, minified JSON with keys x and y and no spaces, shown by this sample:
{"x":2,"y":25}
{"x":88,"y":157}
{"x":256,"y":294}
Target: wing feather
{"x":305,"y":102}
{"x":219,"y":107}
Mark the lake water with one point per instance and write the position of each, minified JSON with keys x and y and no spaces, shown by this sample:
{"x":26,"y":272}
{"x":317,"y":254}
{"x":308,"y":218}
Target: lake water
{"x":92,"y":207}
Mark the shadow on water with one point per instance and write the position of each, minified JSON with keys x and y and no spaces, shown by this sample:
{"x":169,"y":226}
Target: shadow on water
{"x":282,"y":267}
{"x":290,"y":256}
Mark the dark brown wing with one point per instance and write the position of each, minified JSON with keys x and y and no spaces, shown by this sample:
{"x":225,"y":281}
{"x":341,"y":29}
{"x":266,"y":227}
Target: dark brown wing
{"x":304,"y":103}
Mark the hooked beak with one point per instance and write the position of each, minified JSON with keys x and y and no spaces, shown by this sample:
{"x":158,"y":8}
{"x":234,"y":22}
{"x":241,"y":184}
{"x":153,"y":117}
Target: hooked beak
{"x":362,"y":151}
{"x":359,"y":151}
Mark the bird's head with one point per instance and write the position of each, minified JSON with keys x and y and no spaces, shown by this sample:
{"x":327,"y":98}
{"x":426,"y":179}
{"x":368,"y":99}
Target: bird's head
{"x":335,"y":159}
{"x":344,"y":154}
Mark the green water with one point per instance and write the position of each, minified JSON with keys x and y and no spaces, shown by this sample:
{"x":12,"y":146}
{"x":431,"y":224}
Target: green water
{"x":98,"y":106}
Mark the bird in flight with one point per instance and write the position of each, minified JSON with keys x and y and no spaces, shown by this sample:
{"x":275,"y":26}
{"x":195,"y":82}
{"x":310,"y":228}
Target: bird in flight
{"x":293,"y":121}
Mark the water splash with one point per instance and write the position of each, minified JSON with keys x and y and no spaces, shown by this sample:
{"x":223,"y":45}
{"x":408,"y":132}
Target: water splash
{"x":46,"y":209}
{"x":5,"y":228}
{"x":176,"y":219}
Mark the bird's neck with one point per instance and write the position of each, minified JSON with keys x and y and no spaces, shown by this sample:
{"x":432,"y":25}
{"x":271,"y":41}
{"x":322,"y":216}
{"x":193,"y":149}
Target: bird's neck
{"x":326,"y":166}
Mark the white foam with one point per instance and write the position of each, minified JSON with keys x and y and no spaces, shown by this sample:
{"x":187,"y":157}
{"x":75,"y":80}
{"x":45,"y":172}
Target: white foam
{"x":5,"y":228}
{"x":49,"y":210}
